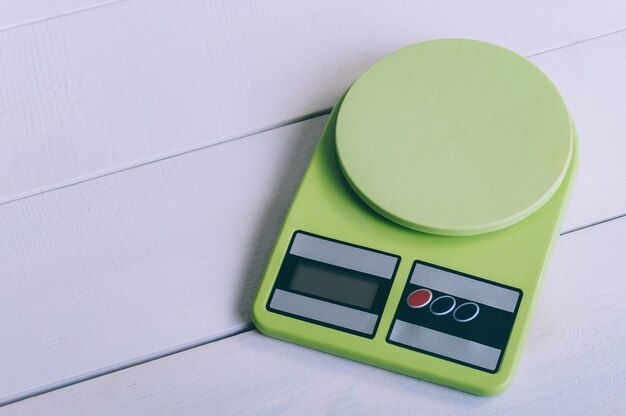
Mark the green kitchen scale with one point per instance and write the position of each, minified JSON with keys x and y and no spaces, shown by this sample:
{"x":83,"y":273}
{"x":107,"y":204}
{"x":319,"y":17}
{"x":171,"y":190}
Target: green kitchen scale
{"x":418,"y":237}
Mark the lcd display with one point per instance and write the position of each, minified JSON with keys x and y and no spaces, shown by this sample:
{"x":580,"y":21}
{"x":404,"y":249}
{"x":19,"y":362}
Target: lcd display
{"x":334,"y":284}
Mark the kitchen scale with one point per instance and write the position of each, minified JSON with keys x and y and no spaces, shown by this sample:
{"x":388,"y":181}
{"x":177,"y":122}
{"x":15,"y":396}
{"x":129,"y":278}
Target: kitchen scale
{"x":418,"y":237}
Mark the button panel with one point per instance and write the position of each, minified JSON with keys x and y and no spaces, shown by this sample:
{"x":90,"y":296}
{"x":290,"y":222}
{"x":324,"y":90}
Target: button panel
{"x":455,"y":316}
{"x":443,"y":305}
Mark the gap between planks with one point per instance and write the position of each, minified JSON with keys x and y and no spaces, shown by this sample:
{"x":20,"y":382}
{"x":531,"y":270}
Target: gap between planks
{"x":578,"y":42}
{"x":157,"y":158}
{"x":132,"y":363}
{"x":61,"y":15}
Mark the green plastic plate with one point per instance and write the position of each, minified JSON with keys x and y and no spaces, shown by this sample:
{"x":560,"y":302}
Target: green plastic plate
{"x":454,"y":137}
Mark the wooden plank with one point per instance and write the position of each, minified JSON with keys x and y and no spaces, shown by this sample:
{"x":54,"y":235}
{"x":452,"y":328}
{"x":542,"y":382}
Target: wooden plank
{"x":573,"y":362}
{"x":143,"y":262}
{"x":117,"y":86}
{"x":15,"y":13}
{"x":592,"y":80}
{"x":134,"y":265}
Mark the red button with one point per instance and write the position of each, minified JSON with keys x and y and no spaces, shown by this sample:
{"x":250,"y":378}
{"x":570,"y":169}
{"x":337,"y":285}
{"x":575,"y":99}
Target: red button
{"x":419,"y":298}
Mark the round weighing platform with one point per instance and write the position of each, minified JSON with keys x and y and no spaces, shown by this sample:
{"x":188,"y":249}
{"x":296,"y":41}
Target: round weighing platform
{"x":454,"y":137}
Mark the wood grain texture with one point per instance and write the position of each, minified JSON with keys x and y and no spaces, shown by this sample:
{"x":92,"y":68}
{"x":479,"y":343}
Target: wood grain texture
{"x":104,"y":89}
{"x":574,"y":362}
{"x":137,"y":264}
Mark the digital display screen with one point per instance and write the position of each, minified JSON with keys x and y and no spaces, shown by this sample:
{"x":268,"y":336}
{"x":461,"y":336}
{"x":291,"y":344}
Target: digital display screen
{"x":334,"y":284}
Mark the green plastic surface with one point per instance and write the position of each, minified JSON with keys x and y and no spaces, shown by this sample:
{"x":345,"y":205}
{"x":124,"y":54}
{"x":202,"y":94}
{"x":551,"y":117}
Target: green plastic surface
{"x":326,"y":205}
{"x":454,"y":137}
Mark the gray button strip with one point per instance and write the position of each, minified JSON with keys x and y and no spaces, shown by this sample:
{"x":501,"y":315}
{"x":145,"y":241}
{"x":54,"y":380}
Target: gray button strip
{"x":343,"y":255}
{"x":320,"y":310}
{"x":464,"y":287}
{"x":436,"y":342}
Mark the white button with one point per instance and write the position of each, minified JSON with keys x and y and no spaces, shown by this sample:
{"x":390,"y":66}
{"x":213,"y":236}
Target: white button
{"x":442,"y":305}
{"x":466,"y":312}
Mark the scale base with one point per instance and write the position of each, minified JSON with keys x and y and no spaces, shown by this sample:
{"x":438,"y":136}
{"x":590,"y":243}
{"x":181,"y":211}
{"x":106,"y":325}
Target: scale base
{"x":514,"y":257}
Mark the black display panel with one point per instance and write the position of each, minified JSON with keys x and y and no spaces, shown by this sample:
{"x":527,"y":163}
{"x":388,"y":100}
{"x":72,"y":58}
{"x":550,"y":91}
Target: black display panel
{"x":332,"y":283}
{"x":312,"y":274}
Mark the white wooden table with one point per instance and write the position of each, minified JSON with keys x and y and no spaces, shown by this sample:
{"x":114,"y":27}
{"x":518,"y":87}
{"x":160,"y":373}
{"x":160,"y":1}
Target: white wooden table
{"x":149,"y":150}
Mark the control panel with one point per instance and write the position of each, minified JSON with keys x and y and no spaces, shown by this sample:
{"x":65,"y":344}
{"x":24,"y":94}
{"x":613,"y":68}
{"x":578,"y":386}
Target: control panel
{"x":455,"y":316}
